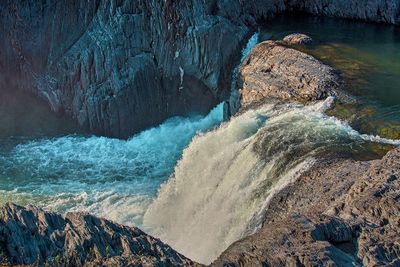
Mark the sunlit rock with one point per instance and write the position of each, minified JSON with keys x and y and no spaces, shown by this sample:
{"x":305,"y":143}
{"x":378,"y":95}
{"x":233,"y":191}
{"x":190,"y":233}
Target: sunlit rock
{"x":275,"y":71}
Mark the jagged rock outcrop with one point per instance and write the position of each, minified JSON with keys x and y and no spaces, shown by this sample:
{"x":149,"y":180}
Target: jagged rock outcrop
{"x":119,"y":66}
{"x":30,"y":236}
{"x":273,"y":70}
{"x":339,"y":213}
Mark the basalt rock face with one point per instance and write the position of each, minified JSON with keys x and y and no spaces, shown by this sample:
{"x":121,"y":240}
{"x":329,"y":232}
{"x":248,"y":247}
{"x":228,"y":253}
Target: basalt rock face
{"x":30,"y":236}
{"x":387,"y":11}
{"x":339,"y":213}
{"x":119,"y":66}
{"x":273,"y":70}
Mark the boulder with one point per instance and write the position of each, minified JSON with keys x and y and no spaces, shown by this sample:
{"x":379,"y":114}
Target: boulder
{"x":273,"y":70}
{"x":298,"y":39}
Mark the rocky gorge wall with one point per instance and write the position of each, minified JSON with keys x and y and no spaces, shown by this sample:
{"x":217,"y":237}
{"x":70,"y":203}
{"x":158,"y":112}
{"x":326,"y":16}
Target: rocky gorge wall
{"x":331,"y":215}
{"x":119,"y":66}
{"x":340,"y":212}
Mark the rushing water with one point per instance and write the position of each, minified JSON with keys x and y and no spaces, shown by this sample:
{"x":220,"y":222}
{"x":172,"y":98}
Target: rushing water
{"x":108,"y":177}
{"x":222,"y":184}
{"x":194,"y":182}
{"x":226,"y":175}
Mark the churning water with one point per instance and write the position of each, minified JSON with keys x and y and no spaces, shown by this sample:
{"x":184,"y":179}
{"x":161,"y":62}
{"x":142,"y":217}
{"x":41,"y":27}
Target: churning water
{"x":107,"y":177}
{"x":226,"y":175}
{"x":200,"y":183}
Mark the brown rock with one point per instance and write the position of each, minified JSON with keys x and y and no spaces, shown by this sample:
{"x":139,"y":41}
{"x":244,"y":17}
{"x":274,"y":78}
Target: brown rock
{"x":298,"y":39}
{"x":273,"y":70}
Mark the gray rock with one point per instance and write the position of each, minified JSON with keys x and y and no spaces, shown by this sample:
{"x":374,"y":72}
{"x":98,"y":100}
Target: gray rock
{"x":369,"y":10}
{"x":31,"y":236}
{"x":119,"y":66}
{"x":339,"y":213}
{"x":273,"y":70}
{"x":298,"y":39}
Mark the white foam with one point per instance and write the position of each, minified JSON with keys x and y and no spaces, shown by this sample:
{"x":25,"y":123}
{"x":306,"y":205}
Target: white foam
{"x":108,"y":177}
{"x":225,"y":179}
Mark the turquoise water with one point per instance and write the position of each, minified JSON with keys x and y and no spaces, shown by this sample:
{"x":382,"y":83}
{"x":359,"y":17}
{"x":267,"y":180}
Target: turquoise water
{"x":368,"y":55}
{"x":45,"y":161}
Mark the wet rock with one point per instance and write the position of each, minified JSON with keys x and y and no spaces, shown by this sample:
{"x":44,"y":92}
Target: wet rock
{"x":298,"y":39}
{"x":273,"y":70}
{"x":31,"y":236}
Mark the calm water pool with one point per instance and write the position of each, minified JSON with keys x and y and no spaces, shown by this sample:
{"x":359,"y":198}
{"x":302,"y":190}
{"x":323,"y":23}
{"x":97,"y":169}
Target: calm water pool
{"x":368,"y":55}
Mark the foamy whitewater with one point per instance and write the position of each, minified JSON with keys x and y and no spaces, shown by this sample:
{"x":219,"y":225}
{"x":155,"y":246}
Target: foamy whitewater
{"x":225,"y":178}
{"x":107,"y":177}
{"x":197,"y":184}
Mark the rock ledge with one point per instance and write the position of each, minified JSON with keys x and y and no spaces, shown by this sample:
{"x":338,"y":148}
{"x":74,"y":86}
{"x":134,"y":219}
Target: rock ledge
{"x":31,"y":236}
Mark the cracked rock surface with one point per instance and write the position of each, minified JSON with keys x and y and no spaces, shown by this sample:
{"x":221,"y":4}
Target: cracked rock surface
{"x":273,"y":70}
{"x":119,"y":66}
{"x":341,"y":212}
{"x":31,"y":236}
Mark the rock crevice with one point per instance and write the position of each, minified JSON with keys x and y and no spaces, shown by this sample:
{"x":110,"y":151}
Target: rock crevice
{"x":341,"y":212}
{"x":116,"y":66}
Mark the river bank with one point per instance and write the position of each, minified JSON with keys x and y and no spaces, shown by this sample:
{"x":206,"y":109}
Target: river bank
{"x":306,"y":172}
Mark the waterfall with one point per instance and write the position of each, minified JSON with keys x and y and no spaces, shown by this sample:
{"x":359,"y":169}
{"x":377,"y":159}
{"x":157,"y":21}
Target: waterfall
{"x":234,"y":101}
{"x":111,"y":178}
{"x":226,"y":176}
{"x":107,"y":177}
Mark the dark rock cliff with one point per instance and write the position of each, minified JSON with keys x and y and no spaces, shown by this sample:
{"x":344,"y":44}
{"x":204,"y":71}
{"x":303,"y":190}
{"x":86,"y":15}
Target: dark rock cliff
{"x":30,"y":236}
{"x":119,"y":66}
